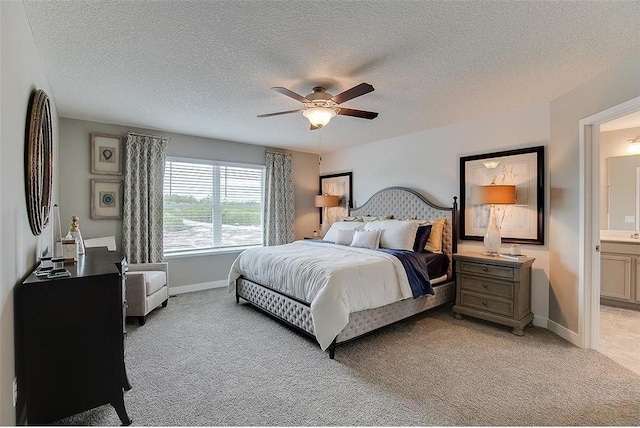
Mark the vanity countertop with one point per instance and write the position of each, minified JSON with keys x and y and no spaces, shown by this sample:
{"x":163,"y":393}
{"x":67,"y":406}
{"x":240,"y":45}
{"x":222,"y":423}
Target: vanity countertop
{"x":628,"y":240}
{"x":626,"y":236}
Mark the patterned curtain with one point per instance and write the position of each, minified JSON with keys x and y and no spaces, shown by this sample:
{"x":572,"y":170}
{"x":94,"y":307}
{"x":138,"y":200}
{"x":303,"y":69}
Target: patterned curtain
{"x":279,"y":203}
{"x":142,"y":208}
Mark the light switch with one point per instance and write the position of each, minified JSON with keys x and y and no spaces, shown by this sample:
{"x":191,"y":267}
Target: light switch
{"x":629,"y":219}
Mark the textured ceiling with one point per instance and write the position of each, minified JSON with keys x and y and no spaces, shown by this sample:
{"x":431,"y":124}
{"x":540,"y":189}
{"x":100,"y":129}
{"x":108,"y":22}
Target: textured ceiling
{"x":205,"y":68}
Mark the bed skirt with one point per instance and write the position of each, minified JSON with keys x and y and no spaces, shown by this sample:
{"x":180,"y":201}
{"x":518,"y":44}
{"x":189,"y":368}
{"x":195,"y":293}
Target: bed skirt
{"x":298,"y":313}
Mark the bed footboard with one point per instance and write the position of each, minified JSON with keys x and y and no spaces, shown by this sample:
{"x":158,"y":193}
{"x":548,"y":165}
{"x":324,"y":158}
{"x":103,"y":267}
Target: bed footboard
{"x":297,"y":314}
{"x":294,"y":312}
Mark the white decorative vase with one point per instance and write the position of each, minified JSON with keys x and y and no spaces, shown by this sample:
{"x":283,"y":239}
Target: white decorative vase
{"x":492,"y":240}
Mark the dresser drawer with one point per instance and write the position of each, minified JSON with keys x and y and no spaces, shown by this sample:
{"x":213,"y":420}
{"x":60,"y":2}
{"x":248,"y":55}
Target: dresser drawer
{"x":486,"y":304}
{"x":485,"y":269}
{"x":484,"y":285}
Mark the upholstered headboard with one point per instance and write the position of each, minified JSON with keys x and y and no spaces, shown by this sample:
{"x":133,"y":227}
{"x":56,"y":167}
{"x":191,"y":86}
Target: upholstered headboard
{"x":403,"y":203}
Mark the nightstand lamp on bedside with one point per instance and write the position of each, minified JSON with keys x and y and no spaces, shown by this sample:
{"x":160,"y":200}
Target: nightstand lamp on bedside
{"x":326,"y":201}
{"x":493,"y":194}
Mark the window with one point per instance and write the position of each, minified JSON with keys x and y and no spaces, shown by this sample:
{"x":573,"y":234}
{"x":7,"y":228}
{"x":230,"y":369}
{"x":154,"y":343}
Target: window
{"x":210,"y":204}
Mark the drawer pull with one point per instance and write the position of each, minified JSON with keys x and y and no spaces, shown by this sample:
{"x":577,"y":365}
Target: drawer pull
{"x":484,"y":269}
{"x":484,"y":285}
{"x":484,"y":303}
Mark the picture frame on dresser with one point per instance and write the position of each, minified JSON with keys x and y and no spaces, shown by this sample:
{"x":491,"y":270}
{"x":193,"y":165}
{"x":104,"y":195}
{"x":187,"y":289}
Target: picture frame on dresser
{"x":106,"y":154}
{"x":521,"y":223}
{"x":337,"y":185}
{"x":106,"y":199}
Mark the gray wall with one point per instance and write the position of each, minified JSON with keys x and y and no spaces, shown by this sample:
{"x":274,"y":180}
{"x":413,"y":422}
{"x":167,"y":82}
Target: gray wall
{"x":75,"y":189}
{"x":614,"y":87}
{"x":21,"y":72}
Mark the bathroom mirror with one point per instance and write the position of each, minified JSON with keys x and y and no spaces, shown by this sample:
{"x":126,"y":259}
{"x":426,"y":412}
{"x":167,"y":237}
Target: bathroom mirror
{"x":623,"y":196}
{"x":38,"y":161}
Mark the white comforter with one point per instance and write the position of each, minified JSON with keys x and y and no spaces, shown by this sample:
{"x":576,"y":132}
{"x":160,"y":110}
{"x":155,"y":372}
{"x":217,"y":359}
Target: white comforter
{"x":335,"y":279}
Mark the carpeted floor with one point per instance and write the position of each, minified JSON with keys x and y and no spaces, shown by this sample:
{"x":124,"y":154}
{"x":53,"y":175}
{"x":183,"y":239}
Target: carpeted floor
{"x":204,"y":360}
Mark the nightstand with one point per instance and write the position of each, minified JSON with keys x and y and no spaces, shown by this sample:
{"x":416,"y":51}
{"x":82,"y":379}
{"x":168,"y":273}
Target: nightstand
{"x":494,"y":288}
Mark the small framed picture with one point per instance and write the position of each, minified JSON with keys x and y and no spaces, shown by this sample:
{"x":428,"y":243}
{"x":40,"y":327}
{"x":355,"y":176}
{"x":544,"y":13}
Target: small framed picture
{"x":106,"y":154}
{"x":106,"y":199}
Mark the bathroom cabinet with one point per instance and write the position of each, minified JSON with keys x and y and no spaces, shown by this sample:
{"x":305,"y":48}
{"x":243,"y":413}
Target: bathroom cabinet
{"x":620,"y":273}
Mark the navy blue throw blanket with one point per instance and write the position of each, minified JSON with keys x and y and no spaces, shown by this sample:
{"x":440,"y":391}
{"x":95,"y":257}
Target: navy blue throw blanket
{"x":415,"y":264}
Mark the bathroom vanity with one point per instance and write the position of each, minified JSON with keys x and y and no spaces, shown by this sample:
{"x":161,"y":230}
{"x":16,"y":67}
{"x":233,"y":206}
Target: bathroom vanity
{"x":620,"y":272}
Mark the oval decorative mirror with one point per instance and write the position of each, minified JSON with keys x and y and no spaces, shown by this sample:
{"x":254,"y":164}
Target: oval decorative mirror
{"x":39,"y":161}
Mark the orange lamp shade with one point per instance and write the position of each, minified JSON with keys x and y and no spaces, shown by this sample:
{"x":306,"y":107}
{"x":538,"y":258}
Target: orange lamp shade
{"x":494,"y":194}
{"x":322,"y":201}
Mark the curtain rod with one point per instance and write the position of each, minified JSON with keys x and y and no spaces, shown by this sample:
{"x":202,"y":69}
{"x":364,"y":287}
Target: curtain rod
{"x":277,"y":153}
{"x":147,"y":135}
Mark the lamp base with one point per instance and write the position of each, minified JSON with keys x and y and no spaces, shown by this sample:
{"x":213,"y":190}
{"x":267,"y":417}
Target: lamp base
{"x":324,"y":228}
{"x":492,"y":239}
{"x":487,"y":253}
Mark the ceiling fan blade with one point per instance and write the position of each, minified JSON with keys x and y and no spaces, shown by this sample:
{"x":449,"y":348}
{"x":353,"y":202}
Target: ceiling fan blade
{"x":278,"y":113}
{"x":356,"y":91}
{"x":313,"y":127}
{"x":358,"y":113}
{"x":287,"y":92}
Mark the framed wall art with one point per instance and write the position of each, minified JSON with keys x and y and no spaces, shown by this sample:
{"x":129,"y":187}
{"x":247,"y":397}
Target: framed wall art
{"x":520,"y":223}
{"x":106,"y":154}
{"x":337,"y":185}
{"x":106,"y":199}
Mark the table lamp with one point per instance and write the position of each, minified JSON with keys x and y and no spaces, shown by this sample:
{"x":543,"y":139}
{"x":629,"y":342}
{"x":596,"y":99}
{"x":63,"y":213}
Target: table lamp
{"x":492,"y":195}
{"x":326,"y":201}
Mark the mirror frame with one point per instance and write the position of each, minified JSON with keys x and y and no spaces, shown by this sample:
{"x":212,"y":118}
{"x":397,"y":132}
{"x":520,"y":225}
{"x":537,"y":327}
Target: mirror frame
{"x":38,"y":161}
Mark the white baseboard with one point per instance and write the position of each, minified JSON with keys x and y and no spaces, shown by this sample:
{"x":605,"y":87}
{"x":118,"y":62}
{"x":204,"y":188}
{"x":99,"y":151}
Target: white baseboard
{"x":197,"y":287}
{"x":564,"y":332}
{"x":540,"y":321}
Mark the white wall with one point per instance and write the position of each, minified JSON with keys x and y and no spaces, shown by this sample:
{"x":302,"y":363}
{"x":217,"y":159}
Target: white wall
{"x":75,"y":189}
{"x":21,"y":73}
{"x":614,"y":87}
{"x":428,"y":161}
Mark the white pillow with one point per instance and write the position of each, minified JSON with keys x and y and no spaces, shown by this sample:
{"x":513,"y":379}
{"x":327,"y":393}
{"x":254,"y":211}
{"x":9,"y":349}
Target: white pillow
{"x":395,"y":234}
{"x":345,"y":237}
{"x":332,"y":233}
{"x":366,"y":239}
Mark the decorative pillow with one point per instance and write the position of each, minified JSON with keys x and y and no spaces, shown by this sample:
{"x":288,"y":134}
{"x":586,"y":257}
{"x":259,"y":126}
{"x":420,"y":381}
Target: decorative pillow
{"x":332,"y":233}
{"x":434,"y":243}
{"x":422,"y":236}
{"x":395,"y":234}
{"x":351,"y":218}
{"x":345,"y":237}
{"x":366,"y":239}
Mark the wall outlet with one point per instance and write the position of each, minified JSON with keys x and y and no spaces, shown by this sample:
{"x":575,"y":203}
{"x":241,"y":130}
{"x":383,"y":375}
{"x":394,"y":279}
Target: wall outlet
{"x":629,"y":219}
{"x":15,"y":391}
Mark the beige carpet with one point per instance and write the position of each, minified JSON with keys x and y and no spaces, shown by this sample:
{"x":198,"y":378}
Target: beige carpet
{"x":205,"y":361}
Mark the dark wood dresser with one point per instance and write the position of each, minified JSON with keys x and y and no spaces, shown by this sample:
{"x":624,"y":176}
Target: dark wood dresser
{"x":70,"y":340}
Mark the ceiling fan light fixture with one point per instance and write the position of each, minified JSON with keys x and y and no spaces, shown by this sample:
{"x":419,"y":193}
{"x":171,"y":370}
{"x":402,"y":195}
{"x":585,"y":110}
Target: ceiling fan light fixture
{"x":319,"y":116}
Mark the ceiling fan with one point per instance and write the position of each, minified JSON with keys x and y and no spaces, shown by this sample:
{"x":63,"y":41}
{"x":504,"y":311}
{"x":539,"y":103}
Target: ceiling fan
{"x":320,"y":107}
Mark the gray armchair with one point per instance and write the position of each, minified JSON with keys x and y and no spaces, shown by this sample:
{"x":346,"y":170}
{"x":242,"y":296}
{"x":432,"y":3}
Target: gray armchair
{"x":147,"y":288}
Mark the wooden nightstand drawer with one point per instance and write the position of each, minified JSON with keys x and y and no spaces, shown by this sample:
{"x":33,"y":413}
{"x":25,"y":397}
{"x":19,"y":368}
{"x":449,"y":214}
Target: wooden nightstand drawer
{"x":485,"y":269}
{"x":486,"y":285}
{"x":487,"y":304}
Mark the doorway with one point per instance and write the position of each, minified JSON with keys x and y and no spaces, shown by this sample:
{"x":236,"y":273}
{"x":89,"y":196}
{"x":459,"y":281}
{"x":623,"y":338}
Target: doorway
{"x":589,"y":289}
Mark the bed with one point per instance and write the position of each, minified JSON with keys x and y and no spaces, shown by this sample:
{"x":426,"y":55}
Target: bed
{"x":314,"y":286}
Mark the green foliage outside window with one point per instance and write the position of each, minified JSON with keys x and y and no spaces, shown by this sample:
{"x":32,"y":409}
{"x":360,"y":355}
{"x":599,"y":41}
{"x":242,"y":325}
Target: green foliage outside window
{"x":178,"y":208}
